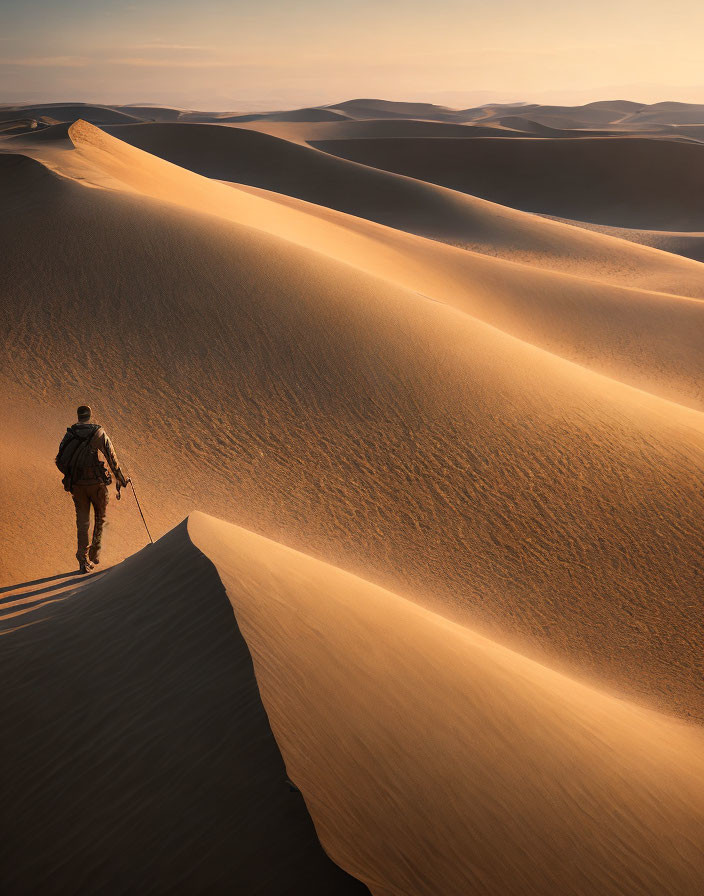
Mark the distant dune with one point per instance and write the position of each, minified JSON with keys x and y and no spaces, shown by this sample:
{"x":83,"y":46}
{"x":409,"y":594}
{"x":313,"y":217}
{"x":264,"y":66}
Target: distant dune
{"x":293,"y":115}
{"x":375,"y":108}
{"x":148,"y":113}
{"x":651,"y":184}
{"x":59,"y":112}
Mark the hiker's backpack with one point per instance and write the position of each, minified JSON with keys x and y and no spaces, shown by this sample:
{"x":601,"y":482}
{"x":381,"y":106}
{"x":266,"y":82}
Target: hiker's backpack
{"x":75,"y":454}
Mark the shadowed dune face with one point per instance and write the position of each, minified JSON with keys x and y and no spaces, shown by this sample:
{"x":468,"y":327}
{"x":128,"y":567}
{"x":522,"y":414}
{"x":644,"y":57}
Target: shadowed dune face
{"x":341,"y":414}
{"x":652,"y":184}
{"x":154,"y":769}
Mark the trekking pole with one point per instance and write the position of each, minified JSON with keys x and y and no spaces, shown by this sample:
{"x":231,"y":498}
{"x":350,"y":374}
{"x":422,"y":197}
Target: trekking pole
{"x":139,"y":507}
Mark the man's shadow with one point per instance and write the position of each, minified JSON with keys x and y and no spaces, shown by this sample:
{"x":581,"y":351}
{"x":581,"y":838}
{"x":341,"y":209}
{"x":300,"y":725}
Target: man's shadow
{"x":59,"y":582}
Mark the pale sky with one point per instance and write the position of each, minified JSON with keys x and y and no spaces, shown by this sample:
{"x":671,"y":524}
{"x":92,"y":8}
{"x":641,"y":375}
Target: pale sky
{"x":218,"y":55}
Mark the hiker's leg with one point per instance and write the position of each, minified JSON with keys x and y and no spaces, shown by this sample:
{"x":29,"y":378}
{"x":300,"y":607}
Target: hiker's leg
{"x":99,"y":500}
{"x":79,"y":493}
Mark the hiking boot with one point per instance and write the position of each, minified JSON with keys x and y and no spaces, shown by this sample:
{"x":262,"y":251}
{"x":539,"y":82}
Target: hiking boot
{"x":84,"y":566}
{"x":94,"y":554}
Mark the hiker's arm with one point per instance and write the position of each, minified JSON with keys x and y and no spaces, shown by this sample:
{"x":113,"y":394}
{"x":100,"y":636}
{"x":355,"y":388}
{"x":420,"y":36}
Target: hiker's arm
{"x":104,"y":445}
{"x":61,"y":448}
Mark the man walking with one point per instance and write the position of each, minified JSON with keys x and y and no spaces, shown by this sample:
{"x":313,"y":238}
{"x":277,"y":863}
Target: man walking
{"x":87,"y":479}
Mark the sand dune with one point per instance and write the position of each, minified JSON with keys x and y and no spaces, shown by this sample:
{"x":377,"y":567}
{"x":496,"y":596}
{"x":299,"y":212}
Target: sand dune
{"x":352,"y":128}
{"x":639,"y":183}
{"x":397,"y":128}
{"x":558,"y":789}
{"x":45,"y":134}
{"x":376,"y":108}
{"x":634,"y":330}
{"x":623,"y":116}
{"x":528,"y":126}
{"x":60,"y":112}
{"x":276,"y":165}
{"x":671,"y":113}
{"x":153,"y":769}
{"x":149,"y":113}
{"x":306,"y":372}
{"x":626,"y":116}
{"x":292,"y":115}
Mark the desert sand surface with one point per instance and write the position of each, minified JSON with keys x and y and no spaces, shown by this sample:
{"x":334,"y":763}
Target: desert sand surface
{"x":458,"y":452}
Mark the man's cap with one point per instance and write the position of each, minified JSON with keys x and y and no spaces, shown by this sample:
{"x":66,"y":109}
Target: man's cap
{"x":84,"y":412}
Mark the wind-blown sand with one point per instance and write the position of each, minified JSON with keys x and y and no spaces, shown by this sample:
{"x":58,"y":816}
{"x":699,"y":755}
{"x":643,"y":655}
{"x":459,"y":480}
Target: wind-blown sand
{"x":497,"y":417}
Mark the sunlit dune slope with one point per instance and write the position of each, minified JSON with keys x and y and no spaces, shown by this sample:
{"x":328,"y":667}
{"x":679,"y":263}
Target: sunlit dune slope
{"x":271,"y":163}
{"x":633,"y":182}
{"x":647,"y":340}
{"x":335,"y":411}
{"x":434,"y":761}
{"x":495,"y":292}
{"x":136,"y":755}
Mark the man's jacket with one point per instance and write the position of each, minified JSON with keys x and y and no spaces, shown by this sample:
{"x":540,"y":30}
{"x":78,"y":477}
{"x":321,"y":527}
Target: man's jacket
{"x":78,"y":456}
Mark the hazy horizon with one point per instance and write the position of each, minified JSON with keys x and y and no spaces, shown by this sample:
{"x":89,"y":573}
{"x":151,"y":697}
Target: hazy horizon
{"x":229,"y":56}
